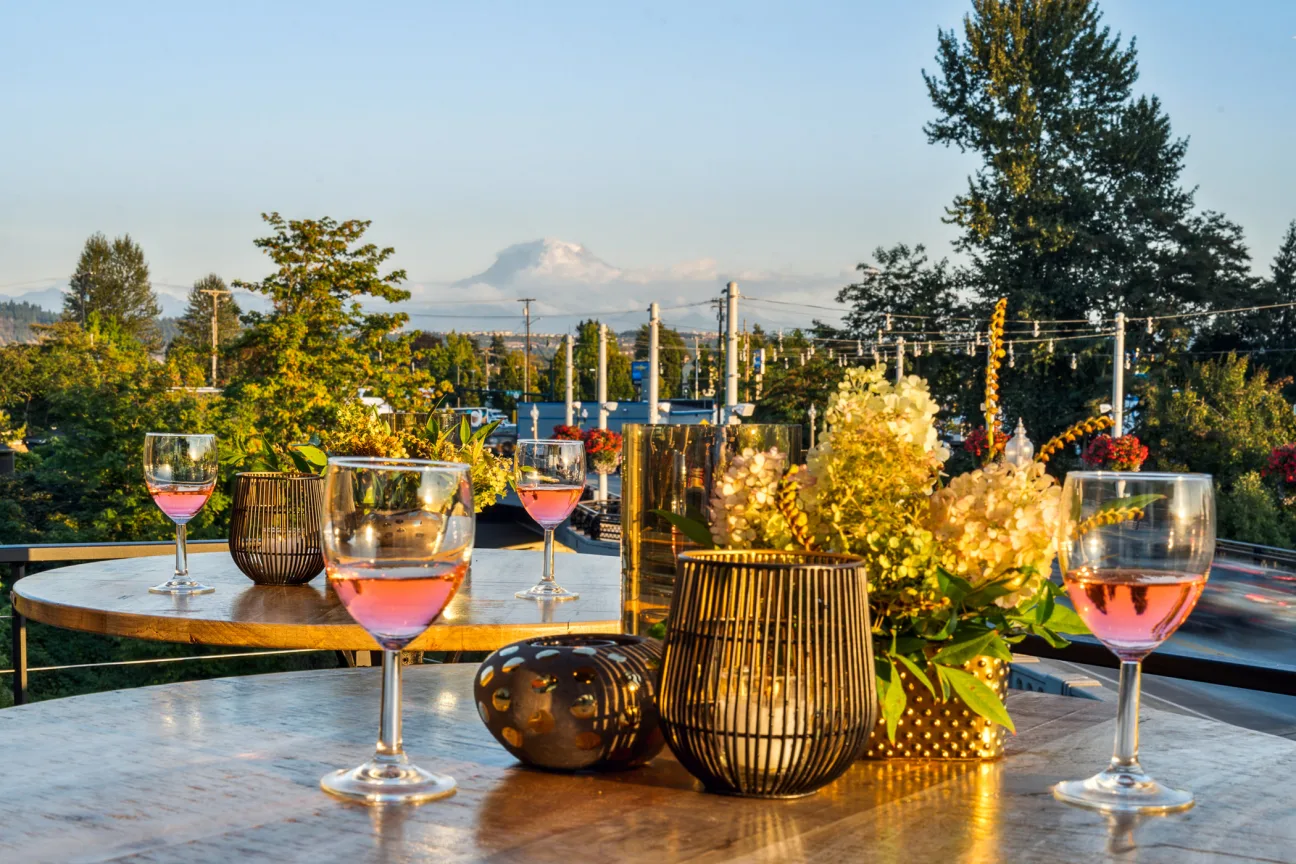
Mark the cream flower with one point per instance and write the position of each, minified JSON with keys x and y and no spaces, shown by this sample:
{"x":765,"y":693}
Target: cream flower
{"x":743,"y":510}
{"x":997,"y":520}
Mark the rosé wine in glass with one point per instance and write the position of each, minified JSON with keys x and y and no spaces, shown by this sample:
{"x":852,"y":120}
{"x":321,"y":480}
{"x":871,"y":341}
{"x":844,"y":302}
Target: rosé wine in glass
{"x":1135,"y":550}
{"x":398,"y":539}
{"x":550,"y":505}
{"x":180,"y":473}
{"x":1131,"y":611}
{"x":549,"y":476}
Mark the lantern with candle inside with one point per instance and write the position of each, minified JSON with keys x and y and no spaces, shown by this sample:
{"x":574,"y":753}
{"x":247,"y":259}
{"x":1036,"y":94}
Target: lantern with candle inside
{"x":767,"y":685}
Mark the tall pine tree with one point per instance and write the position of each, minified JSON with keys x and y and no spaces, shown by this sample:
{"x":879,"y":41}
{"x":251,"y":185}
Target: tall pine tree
{"x":111,"y":286}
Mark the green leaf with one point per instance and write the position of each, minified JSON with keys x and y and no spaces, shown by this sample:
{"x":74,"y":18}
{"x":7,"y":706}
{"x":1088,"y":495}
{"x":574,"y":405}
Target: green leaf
{"x":977,"y":695}
{"x":909,"y":645}
{"x":1065,"y":620}
{"x":891,"y":695}
{"x":698,"y":532}
{"x":916,"y":671}
{"x":987,"y":594}
{"x":953,"y":587}
{"x":965,"y":647}
{"x":1138,"y":502}
{"x":1049,"y":636}
{"x":1044,"y":608}
{"x":658,"y":630}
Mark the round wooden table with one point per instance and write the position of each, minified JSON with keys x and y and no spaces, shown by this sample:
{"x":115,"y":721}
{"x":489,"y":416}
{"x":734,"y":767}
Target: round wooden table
{"x":228,"y":770}
{"x":112,"y":597}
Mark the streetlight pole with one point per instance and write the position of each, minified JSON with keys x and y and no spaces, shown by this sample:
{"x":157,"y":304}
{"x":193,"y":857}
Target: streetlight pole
{"x":731,"y":346}
{"x":526,"y":366}
{"x":602,"y":399}
{"x":571,"y":407}
{"x":654,"y":323}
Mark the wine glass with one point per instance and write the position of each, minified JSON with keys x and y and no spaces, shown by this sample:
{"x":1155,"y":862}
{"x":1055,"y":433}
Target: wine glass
{"x":1135,"y":551}
{"x":180,"y":473}
{"x":398,"y":541}
{"x":549,"y":476}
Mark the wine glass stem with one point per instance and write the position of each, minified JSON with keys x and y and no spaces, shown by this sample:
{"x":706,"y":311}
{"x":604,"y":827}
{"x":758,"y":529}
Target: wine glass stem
{"x":182,"y":552}
{"x":548,"y":575}
{"x":389,"y":724}
{"x":1127,"y":711}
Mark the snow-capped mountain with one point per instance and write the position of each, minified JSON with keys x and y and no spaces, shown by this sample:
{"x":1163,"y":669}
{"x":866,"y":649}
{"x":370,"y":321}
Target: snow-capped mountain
{"x":545,"y":261}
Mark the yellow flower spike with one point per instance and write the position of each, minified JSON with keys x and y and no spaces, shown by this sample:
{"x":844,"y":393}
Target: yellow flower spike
{"x":1067,"y":436}
{"x":1108,"y":517}
{"x":994,"y":353}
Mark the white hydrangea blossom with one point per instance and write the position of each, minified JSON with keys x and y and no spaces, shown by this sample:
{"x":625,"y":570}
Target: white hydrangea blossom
{"x":906,"y":407}
{"x":744,"y":511}
{"x":998,"y":519}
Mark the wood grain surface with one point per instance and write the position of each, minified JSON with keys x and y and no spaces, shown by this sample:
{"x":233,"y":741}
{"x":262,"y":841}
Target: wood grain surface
{"x":112,"y":597}
{"x":226,"y":770}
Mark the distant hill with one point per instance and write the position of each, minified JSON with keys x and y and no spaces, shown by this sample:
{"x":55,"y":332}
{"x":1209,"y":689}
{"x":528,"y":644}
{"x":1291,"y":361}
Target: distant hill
{"x":17,"y":318}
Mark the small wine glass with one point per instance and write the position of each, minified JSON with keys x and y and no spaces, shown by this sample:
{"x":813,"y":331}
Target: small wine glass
{"x":1135,"y":551}
{"x":180,"y":473}
{"x":398,"y":541}
{"x":549,"y":476}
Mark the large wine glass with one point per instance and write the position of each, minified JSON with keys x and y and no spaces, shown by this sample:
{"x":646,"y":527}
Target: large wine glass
{"x":549,"y":477}
{"x":398,"y":540}
{"x":1135,"y":551}
{"x":180,"y":473}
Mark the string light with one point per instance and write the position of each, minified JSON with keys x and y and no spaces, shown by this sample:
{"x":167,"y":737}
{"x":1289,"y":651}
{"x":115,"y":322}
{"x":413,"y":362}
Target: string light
{"x":1012,"y":358}
{"x":888,"y":321}
{"x":1073,"y":361}
{"x":1127,"y":361}
{"x":1050,"y":346}
{"x":877,"y":356}
{"x":971,"y":349}
{"x":859,"y":348}
{"x":830,"y":353}
{"x":917,"y":349}
{"x":1149,"y":326}
{"x":1035,"y":331}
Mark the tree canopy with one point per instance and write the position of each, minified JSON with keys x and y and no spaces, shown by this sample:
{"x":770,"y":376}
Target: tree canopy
{"x":111,"y":282}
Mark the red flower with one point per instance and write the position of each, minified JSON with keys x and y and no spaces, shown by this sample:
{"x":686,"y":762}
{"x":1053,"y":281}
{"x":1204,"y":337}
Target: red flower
{"x":601,"y":440}
{"x":1125,"y":453}
{"x":1282,"y":461}
{"x":975,"y":441}
{"x":567,"y":433}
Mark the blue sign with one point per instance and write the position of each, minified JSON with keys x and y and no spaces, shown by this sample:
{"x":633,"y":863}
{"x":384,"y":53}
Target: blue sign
{"x":638,"y":371}
{"x":759,"y":365}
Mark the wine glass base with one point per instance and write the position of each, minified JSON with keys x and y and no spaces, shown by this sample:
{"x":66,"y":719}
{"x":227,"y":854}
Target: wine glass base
{"x":181,"y":588}
{"x":547,"y":591}
{"x":388,"y":782}
{"x":1123,"y":791}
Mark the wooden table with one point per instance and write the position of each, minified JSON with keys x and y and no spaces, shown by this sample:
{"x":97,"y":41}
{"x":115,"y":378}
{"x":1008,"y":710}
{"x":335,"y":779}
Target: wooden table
{"x":112,"y":597}
{"x":227,"y":770}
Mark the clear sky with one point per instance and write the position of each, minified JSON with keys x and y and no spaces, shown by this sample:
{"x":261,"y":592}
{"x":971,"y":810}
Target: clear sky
{"x":771,"y":136}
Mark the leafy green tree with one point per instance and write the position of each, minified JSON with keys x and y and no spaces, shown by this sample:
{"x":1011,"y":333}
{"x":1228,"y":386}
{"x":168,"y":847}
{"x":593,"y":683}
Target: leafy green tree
{"x":585,"y":359}
{"x":1077,"y":208}
{"x":671,"y":352}
{"x":112,"y":281}
{"x":317,"y":347}
{"x":1217,"y":417}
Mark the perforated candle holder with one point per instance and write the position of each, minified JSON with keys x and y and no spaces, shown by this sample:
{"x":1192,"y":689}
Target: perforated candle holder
{"x":275,"y":527}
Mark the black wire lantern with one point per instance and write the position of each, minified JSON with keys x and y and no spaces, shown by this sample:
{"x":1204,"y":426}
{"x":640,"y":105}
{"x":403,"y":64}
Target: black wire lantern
{"x":767,"y":685}
{"x":275,"y":527}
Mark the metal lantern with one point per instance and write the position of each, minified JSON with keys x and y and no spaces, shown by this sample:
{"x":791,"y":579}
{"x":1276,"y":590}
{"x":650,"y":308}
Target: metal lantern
{"x":275,"y":527}
{"x":767,"y":686}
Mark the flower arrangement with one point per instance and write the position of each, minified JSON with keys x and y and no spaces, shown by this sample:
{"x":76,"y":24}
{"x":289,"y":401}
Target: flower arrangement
{"x":1125,"y":453}
{"x":955,"y":571}
{"x":603,"y":446}
{"x":1282,"y":464}
{"x":563,"y":432}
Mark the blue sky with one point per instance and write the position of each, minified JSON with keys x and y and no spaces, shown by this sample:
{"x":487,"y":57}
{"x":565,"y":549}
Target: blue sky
{"x":765,"y":136}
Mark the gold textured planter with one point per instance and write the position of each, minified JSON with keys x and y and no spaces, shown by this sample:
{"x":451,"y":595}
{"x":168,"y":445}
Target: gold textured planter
{"x":931,"y":729}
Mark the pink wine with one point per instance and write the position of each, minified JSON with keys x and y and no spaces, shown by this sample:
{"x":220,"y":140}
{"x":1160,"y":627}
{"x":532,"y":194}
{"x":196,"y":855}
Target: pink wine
{"x":1133,"y":611}
{"x":396,"y":608}
{"x":550,"y":505}
{"x":181,"y":501}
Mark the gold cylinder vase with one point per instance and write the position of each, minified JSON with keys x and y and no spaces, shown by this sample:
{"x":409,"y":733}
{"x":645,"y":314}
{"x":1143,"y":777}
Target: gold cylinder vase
{"x":932,"y":729}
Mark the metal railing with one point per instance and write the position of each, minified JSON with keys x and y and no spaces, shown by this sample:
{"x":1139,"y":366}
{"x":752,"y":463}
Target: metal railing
{"x":20,"y":556}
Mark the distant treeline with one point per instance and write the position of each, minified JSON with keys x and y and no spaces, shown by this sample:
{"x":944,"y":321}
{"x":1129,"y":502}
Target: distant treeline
{"x":17,"y":318}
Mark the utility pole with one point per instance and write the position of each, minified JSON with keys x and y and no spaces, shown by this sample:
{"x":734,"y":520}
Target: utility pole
{"x":900,"y":359}
{"x":215,"y":295}
{"x":571,"y":405}
{"x":697,"y":369}
{"x":731,"y":346}
{"x":1118,"y":378}
{"x":487,"y":354}
{"x":654,"y":324}
{"x":526,"y":367}
{"x":602,"y":399}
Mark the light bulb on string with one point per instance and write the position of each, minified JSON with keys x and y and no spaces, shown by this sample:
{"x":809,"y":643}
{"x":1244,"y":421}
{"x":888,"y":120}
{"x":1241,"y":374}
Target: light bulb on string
{"x":1149,"y":326}
{"x":859,"y":348}
{"x":1050,"y":346}
{"x":1035,"y":332}
{"x":917,"y":349}
{"x":830,"y":353}
{"x":877,"y":356}
{"x":802,"y":358}
{"x":888,"y":321}
{"x":1073,"y":361}
{"x":929,"y":347}
{"x":971,"y":350}
{"x":1012,"y":358}
{"x":1127,"y":361}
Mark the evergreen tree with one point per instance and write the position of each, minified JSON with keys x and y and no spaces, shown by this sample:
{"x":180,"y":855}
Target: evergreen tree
{"x":111,"y":282}
{"x":195,"y":325}
{"x":1077,"y":209}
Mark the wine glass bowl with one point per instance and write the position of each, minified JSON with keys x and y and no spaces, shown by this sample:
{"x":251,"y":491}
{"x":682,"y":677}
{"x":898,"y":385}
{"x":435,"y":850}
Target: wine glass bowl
{"x":397,"y":541}
{"x":1135,"y":552}
{"x":549,"y":476}
{"x":180,"y":473}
